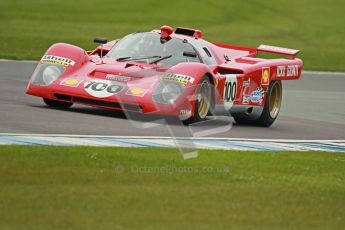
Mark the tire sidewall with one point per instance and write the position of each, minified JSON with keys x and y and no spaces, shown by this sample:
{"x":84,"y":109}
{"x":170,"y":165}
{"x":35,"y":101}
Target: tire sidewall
{"x":265,"y":119}
{"x":196,"y":117}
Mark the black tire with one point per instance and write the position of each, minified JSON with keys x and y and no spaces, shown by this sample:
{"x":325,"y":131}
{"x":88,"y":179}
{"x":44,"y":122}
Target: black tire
{"x":270,"y":111}
{"x":198,"y":116}
{"x":212,"y":110}
{"x":57,"y":104}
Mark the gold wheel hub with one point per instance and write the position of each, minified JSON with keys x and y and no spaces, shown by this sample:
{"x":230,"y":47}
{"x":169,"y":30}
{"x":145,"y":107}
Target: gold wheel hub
{"x":275,"y":99}
{"x":205,"y":99}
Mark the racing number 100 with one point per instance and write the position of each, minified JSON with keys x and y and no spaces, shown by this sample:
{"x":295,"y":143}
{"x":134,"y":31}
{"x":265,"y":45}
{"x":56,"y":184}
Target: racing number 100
{"x":100,"y":86}
{"x":230,"y":91}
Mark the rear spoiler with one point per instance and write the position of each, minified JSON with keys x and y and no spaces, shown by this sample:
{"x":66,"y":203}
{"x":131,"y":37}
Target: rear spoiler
{"x":277,"y":50}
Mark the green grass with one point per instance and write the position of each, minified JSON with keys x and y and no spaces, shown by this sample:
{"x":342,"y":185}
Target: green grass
{"x":28,"y":28}
{"x":85,"y":188}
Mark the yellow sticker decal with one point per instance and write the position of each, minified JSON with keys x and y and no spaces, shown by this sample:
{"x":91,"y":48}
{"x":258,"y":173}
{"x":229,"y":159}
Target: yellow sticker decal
{"x":136,"y":92}
{"x":265,"y":79}
{"x":182,"y":79}
{"x":71,"y":82}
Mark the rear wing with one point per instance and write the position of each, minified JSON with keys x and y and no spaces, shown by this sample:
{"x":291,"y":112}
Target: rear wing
{"x":278,"y":50}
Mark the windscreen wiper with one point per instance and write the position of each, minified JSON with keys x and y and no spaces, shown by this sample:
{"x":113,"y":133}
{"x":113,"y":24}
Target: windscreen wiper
{"x":136,"y":58}
{"x":161,"y":59}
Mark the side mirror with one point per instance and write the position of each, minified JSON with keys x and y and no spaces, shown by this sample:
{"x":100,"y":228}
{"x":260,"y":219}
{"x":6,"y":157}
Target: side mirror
{"x":100,"y":40}
{"x":190,"y":54}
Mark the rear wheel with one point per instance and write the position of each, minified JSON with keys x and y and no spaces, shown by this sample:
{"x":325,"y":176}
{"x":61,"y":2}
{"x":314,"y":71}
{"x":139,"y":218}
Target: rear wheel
{"x":57,"y":104}
{"x":203,"y":103}
{"x":271,"y":108}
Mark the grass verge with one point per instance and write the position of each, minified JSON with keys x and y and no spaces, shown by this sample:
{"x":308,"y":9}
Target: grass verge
{"x":153,"y":188}
{"x":28,"y":28}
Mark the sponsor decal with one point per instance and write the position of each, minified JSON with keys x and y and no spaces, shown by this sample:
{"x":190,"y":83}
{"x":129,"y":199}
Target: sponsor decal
{"x":121,"y":78}
{"x":246,"y":99}
{"x":136,"y":92}
{"x":71,"y":82}
{"x":52,"y":59}
{"x":182,"y":79}
{"x":281,"y":71}
{"x":257,"y":95}
{"x":265,"y":79}
{"x":292,"y":70}
{"x":185,"y":111}
{"x":287,"y":71}
{"x":230,"y":90}
{"x":102,"y":88}
{"x":246,"y":83}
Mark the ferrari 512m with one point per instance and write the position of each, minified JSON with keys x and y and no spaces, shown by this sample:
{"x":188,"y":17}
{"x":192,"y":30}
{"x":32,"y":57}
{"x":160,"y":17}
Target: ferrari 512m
{"x":168,"y":72}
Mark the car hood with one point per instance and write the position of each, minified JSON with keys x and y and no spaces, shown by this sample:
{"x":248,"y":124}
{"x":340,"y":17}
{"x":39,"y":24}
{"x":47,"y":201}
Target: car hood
{"x":132,"y":70}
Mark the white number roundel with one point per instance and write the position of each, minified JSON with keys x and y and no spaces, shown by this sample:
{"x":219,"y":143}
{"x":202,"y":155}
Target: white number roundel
{"x":230,"y":90}
{"x":102,"y":88}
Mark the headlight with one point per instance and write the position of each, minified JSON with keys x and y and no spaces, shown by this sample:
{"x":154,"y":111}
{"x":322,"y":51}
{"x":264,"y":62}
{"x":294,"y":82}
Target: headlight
{"x":167,"y":92}
{"x":46,"y":74}
{"x":50,"y":74}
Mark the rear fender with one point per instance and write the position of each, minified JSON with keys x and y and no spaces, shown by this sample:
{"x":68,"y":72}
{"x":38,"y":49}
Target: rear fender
{"x":252,"y":86}
{"x":281,"y":69}
{"x":288,"y":70}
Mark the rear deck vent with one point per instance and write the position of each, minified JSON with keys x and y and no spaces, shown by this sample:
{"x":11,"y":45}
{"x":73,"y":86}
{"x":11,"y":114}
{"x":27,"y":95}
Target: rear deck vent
{"x":229,"y":71}
{"x":185,"y":31}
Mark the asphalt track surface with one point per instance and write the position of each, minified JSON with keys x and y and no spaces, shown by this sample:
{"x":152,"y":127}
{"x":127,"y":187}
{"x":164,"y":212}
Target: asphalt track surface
{"x":313,"y":108}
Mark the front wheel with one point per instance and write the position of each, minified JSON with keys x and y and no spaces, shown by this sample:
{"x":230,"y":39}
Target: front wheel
{"x":57,"y":104}
{"x":271,"y":108}
{"x":203,"y":104}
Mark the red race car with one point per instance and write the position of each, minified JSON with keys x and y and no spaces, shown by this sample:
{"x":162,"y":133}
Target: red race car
{"x":167,"y":72}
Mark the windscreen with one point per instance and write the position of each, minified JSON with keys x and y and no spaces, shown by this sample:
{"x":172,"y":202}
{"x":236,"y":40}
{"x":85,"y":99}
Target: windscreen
{"x":140,"y":45}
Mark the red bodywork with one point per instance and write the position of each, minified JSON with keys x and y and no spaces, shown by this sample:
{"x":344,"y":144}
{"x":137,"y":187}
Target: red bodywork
{"x":240,"y":78}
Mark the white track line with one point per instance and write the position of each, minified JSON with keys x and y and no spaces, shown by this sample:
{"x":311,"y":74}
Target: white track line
{"x":183,"y":138}
{"x":199,"y":142}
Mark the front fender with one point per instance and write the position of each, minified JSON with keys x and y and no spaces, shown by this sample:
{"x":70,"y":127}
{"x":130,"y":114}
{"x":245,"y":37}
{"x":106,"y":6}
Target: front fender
{"x":73,"y":57}
{"x":70,"y":57}
{"x":195,"y":70}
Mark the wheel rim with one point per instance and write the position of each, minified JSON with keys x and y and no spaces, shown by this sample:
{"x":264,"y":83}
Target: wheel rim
{"x":275,"y":99}
{"x":205,"y":99}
